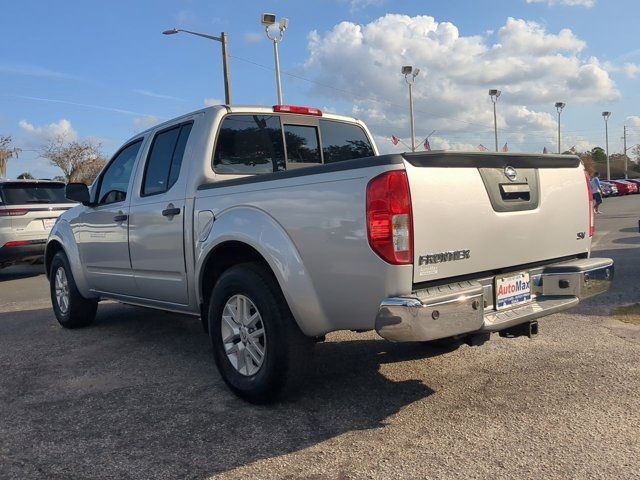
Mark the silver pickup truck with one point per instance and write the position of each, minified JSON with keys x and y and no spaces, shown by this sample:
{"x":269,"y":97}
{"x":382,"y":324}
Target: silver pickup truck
{"x":279,"y":225}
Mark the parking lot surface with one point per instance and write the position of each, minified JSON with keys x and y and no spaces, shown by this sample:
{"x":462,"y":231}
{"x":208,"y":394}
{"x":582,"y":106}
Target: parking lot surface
{"x":137,"y":395}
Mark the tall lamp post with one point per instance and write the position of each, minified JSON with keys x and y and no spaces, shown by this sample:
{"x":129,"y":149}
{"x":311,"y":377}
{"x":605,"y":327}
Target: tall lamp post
{"x":495,"y":94}
{"x":275,"y":35}
{"x":225,"y":56}
{"x":410,"y":75}
{"x":559,"y":107}
{"x":606,"y":116}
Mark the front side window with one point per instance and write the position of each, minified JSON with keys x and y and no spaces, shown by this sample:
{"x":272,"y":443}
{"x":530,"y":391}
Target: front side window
{"x":302,"y":144}
{"x":343,"y":141}
{"x":115,"y":179}
{"x":249,"y":144}
{"x":165,"y":159}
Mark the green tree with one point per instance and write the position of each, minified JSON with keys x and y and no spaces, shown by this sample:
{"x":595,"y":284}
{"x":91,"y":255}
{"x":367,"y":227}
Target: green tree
{"x":25,"y":176}
{"x":599,"y":155}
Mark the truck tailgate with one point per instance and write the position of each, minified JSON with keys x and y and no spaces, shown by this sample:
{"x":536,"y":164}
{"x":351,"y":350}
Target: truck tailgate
{"x":478,"y":212}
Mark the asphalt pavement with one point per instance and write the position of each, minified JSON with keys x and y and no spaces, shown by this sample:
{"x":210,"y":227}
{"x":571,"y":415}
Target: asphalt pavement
{"x":137,"y":395}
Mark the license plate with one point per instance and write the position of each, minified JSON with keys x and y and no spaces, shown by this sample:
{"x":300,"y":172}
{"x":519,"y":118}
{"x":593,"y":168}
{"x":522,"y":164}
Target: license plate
{"x":48,"y":223}
{"x":512,"y":290}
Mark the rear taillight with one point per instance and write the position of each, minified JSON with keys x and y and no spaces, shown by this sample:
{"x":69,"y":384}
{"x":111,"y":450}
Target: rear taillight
{"x":389,"y":218}
{"x":13,"y":212}
{"x":589,"y":203}
{"x":23,"y":243}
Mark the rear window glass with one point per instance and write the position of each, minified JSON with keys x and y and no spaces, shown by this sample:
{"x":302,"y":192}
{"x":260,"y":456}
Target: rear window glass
{"x":343,"y":141}
{"x":249,"y":144}
{"x":165,"y":159}
{"x":302,"y":144}
{"x":26,"y":193}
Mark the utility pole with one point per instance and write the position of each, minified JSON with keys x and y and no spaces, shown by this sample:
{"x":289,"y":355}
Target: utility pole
{"x":410,"y":75}
{"x":606,"y":116}
{"x":625,"y":152}
{"x":495,"y":94}
{"x":225,"y":56}
{"x":559,"y":107}
{"x":225,"y":67}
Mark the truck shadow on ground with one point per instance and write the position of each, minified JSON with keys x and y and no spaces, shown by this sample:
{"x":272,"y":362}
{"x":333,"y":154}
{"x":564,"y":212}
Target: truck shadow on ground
{"x":20,"y":271}
{"x":138,"y":395}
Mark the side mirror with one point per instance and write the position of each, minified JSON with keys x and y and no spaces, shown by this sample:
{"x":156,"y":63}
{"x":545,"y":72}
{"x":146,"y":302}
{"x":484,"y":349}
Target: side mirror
{"x":77,"y":192}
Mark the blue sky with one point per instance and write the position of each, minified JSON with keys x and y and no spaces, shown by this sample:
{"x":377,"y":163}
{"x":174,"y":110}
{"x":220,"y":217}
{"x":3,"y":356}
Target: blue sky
{"x":102,"y":70}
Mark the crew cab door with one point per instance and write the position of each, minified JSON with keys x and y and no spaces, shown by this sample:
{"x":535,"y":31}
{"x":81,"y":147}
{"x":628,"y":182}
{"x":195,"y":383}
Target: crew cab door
{"x":101,"y":230}
{"x":157,"y":218}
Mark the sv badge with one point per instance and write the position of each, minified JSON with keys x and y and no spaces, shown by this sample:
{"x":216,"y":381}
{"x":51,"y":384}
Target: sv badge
{"x":581,"y":235}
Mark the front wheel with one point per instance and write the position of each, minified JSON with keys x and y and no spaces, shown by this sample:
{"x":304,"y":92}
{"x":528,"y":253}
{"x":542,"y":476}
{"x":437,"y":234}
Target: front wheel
{"x":71,"y":309}
{"x":258,"y":348}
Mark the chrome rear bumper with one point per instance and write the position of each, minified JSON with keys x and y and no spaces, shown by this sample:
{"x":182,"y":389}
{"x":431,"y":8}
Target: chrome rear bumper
{"x":466,"y":307}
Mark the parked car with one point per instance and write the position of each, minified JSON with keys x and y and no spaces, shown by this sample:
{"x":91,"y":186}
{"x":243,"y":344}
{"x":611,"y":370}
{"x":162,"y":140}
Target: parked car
{"x":624,"y":187}
{"x":279,"y":225}
{"x":608,"y":189}
{"x":636,"y":181}
{"x":28,"y":210}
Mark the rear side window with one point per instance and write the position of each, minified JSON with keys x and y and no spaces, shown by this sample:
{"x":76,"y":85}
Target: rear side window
{"x":249,"y":144}
{"x":23,"y":193}
{"x":165,"y":159}
{"x":343,"y":141}
{"x":302,"y":144}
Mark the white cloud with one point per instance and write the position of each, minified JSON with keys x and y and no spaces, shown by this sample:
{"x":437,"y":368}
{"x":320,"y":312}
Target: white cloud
{"x":60,"y":129}
{"x":144,"y":122}
{"x":567,"y":3}
{"x":254,"y":37}
{"x":631,"y":70}
{"x":210,"y":102}
{"x":356,"y":5}
{"x":148,"y":93}
{"x":35,"y":71}
{"x":360,"y":64}
{"x":634,"y":120}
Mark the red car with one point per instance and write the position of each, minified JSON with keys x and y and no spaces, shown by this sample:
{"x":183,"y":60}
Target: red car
{"x":625,"y":187}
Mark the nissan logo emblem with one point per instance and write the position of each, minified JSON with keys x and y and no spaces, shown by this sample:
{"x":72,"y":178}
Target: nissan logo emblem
{"x":510,"y":173}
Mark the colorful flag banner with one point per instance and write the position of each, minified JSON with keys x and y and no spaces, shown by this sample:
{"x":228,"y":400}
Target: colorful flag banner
{"x":505,"y":149}
{"x":482,"y":148}
{"x":394,"y":139}
{"x":427,"y":145}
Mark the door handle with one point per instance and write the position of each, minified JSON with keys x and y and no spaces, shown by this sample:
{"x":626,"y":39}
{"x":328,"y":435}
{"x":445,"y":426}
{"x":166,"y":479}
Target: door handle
{"x":120,"y":218}
{"x":170,"y":211}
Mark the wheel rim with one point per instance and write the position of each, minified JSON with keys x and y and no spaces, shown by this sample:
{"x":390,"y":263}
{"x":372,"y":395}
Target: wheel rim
{"x":62,"y":290}
{"x":243,"y":335}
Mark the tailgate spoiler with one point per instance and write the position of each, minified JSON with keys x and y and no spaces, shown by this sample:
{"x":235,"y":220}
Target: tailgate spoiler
{"x":446,"y":159}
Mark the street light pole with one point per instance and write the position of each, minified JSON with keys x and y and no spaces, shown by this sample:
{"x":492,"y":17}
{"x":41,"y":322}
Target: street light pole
{"x":606,"y":116}
{"x":559,"y":107}
{"x":410,"y":75}
{"x":625,"y":151}
{"x":495,"y":94}
{"x":268,"y":20}
{"x":225,"y":56}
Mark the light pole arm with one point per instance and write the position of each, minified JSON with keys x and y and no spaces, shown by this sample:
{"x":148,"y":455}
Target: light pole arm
{"x":203,"y":35}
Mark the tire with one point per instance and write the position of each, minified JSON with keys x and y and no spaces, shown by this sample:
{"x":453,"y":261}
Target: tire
{"x":77,"y":311}
{"x":286,"y":351}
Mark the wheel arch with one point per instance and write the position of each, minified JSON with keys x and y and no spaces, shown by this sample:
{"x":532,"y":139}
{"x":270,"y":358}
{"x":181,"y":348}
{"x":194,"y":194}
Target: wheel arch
{"x":243,"y":235}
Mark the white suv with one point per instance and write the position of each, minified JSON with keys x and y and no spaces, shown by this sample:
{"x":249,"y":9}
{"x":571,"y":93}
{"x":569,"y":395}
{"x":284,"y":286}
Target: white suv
{"x":28,"y":210}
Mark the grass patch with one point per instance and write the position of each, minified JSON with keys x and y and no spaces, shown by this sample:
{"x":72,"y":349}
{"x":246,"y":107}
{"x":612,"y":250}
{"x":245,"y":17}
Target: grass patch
{"x":628,"y":314}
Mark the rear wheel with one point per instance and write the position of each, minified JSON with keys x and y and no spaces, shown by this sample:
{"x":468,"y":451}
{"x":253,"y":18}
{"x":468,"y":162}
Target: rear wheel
{"x":71,"y":309}
{"x":258,"y":348}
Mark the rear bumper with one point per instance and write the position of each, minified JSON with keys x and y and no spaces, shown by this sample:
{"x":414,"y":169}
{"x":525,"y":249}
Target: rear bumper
{"x":467,"y":307}
{"x":16,"y":253}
